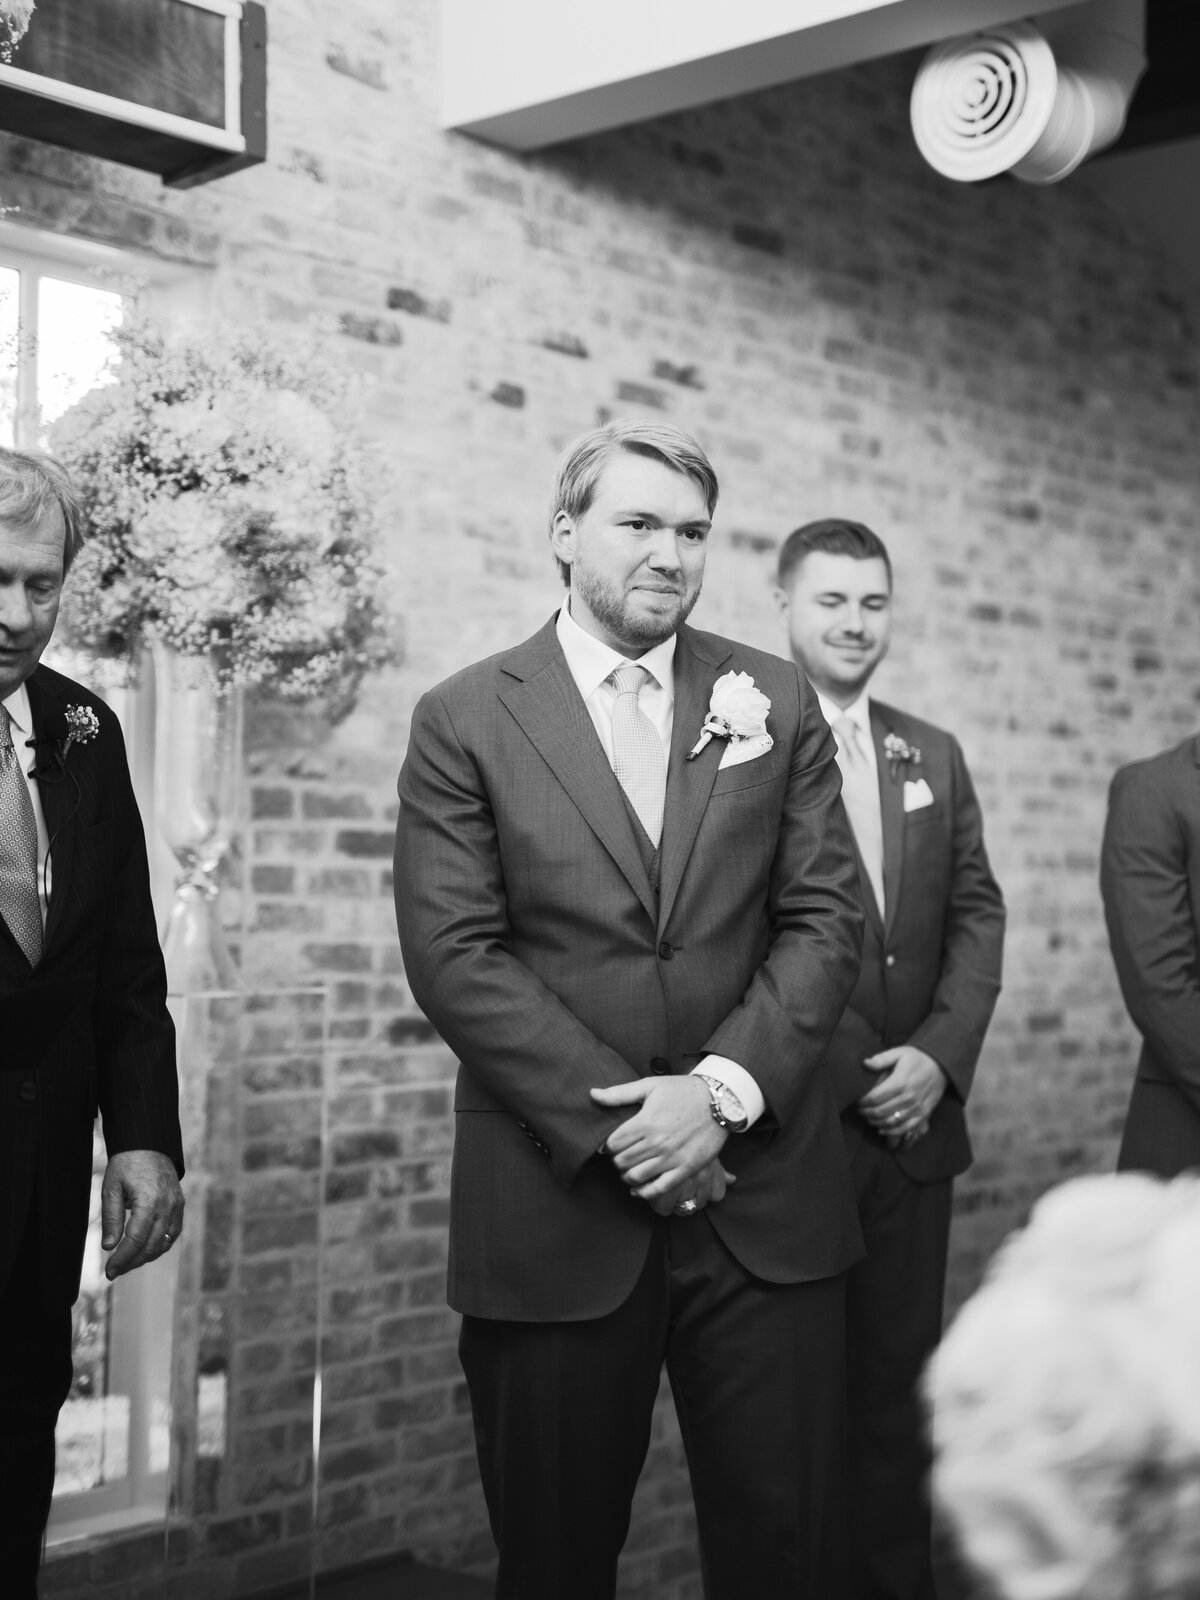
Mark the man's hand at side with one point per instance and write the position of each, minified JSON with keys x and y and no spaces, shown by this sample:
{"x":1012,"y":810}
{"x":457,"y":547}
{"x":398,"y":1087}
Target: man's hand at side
{"x":907,"y":1096}
{"x":141,"y":1205}
{"x":670,"y":1138}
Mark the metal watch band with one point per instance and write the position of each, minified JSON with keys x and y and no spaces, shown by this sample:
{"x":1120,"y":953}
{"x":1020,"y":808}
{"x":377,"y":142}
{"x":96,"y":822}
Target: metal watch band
{"x":721,"y":1095}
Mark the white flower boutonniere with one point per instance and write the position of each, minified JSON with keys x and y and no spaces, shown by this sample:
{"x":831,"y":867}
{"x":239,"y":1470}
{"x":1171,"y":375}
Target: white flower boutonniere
{"x":82,"y":726}
{"x":73,"y":725}
{"x":900,"y":753}
{"x":737,"y":711}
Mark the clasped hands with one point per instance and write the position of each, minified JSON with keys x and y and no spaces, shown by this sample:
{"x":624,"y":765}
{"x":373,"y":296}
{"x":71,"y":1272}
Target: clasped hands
{"x":667,"y":1151}
{"x":900,"y":1105}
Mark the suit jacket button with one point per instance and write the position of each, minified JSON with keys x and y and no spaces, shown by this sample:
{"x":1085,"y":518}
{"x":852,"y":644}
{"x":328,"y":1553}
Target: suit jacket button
{"x":28,"y":1090}
{"x":659,"y":1066}
{"x":889,"y":961}
{"x":665,"y":950}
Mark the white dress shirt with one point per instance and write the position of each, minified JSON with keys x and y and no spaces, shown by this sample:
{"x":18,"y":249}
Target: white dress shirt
{"x":591,"y":663}
{"x":17,"y":706}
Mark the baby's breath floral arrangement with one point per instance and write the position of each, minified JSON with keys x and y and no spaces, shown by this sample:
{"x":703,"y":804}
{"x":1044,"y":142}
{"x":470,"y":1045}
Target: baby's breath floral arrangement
{"x":1066,"y":1399}
{"x":14,"y":20}
{"x":231,"y":510}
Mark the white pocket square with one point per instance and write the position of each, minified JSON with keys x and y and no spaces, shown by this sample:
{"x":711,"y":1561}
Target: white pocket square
{"x":739,"y":750}
{"x":917,"y":794}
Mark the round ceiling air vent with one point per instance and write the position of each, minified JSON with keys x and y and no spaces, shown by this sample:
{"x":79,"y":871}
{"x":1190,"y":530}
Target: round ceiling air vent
{"x":981,"y":104}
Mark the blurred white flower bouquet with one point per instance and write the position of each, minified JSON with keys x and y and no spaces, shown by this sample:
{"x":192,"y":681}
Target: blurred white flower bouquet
{"x":231,"y":513}
{"x":14,"y":20}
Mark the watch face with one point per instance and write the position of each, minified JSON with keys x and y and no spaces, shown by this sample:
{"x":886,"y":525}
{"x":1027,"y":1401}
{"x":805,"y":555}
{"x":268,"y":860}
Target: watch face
{"x":730,"y":1107}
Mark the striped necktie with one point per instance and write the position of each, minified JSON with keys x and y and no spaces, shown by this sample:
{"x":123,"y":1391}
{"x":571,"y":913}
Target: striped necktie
{"x":638,"y":759}
{"x":18,"y":851}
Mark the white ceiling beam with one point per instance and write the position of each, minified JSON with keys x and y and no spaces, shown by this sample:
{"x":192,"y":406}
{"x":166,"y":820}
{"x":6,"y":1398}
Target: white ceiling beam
{"x":525,"y":74}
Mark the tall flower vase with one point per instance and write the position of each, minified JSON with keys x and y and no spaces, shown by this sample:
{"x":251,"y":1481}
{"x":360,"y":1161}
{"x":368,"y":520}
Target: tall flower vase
{"x":197,"y":768}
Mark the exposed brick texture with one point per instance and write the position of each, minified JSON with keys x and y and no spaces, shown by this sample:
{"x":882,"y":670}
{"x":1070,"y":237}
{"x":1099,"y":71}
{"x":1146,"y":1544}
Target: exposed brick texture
{"x":999,"y":378}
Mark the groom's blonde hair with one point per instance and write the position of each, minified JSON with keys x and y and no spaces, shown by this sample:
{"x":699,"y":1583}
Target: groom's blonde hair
{"x":581,"y":463}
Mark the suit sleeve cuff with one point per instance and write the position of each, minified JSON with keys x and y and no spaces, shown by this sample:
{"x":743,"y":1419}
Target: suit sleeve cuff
{"x":737,"y":1079}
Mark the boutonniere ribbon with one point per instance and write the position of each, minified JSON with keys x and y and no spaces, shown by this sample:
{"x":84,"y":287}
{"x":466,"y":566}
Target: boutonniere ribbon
{"x":737,"y":711}
{"x":900,"y":753}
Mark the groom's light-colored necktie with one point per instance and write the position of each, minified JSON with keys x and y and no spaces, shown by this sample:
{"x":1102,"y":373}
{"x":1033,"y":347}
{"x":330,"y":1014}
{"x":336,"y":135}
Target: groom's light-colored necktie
{"x":18,"y":850}
{"x":638,"y":759}
{"x":860,"y":795}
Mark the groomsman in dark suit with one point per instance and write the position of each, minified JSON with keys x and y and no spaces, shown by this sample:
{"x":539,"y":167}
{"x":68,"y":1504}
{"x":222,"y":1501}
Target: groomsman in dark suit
{"x":1150,"y":880}
{"x":904,"y":1053}
{"x":83,"y":1017}
{"x":628,"y":900}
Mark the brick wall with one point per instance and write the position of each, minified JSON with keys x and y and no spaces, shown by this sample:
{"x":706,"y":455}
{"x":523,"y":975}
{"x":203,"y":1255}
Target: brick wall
{"x":998,"y":378}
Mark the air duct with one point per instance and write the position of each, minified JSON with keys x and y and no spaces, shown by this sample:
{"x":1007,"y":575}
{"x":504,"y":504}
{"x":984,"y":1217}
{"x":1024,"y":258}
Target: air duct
{"x":1033,"y":101}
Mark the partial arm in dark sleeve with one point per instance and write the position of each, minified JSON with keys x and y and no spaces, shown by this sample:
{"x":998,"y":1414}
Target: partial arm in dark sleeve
{"x":1144,"y":882}
{"x":514,"y":1034}
{"x":780,"y":1031}
{"x":137,"y":1085}
{"x":972,"y":950}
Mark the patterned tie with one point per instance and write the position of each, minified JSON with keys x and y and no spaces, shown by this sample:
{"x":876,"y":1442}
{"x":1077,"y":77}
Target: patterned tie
{"x":860,"y":795}
{"x":638,"y":759}
{"x":18,"y":850}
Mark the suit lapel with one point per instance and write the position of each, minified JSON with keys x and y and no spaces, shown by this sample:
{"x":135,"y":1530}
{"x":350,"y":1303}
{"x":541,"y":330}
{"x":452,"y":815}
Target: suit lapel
{"x":59,"y":797}
{"x":546,"y":703}
{"x":689,"y":783}
{"x":891,"y":804}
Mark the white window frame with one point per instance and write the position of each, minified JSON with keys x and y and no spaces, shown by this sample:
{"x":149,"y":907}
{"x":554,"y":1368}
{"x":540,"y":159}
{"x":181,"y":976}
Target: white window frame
{"x":142,"y":1306}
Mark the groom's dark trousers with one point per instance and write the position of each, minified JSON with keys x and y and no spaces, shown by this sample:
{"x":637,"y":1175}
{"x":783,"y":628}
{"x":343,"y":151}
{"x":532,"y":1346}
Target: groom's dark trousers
{"x":553,"y":956}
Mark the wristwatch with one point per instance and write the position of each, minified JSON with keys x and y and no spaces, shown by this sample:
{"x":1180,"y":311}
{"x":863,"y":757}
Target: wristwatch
{"x":728,"y":1112}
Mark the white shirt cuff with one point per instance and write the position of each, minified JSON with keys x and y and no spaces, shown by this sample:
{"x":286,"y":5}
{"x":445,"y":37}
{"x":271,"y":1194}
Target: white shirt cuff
{"x":737,"y":1079}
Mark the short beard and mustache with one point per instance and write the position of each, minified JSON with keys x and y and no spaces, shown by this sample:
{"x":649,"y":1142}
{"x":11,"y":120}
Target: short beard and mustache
{"x":611,"y":609}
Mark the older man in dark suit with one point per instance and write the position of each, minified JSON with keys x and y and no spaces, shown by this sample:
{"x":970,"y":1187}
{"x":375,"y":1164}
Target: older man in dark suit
{"x":904,"y":1054}
{"x":628,"y":900}
{"x":82,"y":1003}
{"x":1150,"y":880}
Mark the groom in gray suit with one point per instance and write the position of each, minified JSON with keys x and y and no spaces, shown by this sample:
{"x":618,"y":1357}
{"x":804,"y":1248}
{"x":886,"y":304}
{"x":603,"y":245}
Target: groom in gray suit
{"x":627,"y":898}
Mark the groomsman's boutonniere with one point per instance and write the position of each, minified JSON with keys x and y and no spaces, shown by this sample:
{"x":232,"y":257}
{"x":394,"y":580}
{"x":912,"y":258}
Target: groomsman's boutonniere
{"x":82,"y":727}
{"x":77,"y":725}
{"x":737,"y":711}
{"x":900,"y":753}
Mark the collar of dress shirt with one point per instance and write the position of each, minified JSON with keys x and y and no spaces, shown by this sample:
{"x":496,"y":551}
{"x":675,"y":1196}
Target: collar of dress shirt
{"x":18,"y":708}
{"x":591,"y":661}
{"x":859,"y":711}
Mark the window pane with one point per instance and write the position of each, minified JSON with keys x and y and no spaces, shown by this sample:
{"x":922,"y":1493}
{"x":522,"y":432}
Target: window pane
{"x":92,"y":1442}
{"x":10,"y":306}
{"x":73,"y":347}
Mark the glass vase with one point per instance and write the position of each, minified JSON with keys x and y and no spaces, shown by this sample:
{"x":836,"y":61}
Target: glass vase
{"x":197,"y":770}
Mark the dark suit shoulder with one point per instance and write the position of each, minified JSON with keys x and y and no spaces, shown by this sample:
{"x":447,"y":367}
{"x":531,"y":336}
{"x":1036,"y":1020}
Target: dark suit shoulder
{"x":717,"y":648}
{"x":774,"y":674}
{"x":925,"y":735}
{"x":50,"y":695}
{"x":1151,"y":772}
{"x":483,"y":677}
{"x":58,"y":687}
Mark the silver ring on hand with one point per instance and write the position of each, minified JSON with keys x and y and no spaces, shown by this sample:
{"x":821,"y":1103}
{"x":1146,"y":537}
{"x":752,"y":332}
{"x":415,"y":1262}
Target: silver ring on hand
{"x":897,"y":1116}
{"x":686,"y":1208}
{"x":168,"y":1239}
